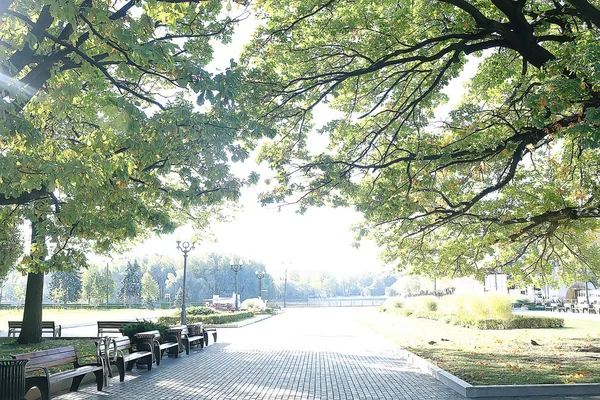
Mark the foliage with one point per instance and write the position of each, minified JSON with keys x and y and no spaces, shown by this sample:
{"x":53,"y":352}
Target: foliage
{"x":65,"y":287}
{"x":224,"y":318}
{"x":142,"y":326}
{"x":93,"y":148}
{"x":200,"y":311}
{"x":521,"y":322}
{"x":150,"y":291}
{"x":254,"y":304}
{"x":131,"y":286}
{"x":12,"y":248}
{"x":391,"y":303}
{"x":468,"y":309}
{"x":510,"y":172}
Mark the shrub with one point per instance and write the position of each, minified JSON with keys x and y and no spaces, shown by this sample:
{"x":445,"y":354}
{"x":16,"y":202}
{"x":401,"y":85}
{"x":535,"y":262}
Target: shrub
{"x":521,"y":322}
{"x":143,"y":326}
{"x":253,"y":304}
{"x":392,"y":302}
{"x":200,"y":311}
{"x":224,"y":318}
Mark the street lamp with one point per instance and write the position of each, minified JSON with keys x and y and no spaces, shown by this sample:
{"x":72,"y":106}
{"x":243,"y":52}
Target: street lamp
{"x":185,"y":248}
{"x":260,"y":275}
{"x":236,"y":268}
{"x":107,"y":284}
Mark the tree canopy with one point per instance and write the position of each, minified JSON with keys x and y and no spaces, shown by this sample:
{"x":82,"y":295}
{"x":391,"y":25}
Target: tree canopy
{"x":508,"y":180}
{"x":100,"y":139}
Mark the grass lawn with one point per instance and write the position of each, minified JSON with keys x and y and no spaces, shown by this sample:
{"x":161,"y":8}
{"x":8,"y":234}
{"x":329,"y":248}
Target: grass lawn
{"x":71,"y":317}
{"x":497,"y":357}
{"x":10,"y":346}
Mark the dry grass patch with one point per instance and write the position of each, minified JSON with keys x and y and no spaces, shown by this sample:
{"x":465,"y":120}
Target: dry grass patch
{"x":497,"y":357}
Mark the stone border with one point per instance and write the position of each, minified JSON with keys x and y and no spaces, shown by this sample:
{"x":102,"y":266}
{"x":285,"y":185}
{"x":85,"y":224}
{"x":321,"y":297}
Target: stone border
{"x":467,"y":390}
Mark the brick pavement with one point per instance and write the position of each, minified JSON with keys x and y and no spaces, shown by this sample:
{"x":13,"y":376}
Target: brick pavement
{"x":315,"y":354}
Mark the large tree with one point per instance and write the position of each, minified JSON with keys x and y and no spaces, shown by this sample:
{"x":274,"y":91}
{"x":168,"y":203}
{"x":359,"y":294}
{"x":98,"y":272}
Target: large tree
{"x":100,"y":142}
{"x":507,"y":181}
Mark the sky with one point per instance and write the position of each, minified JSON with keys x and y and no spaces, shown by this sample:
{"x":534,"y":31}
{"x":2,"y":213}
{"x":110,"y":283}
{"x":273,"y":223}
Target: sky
{"x":320,"y":239}
{"x":277,"y":236}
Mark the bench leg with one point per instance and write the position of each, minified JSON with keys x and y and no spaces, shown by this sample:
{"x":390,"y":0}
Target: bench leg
{"x":99,"y":379}
{"x":130,"y":365}
{"x":157,"y":355}
{"x":148,"y":360}
{"x":186,"y":345}
{"x":41,"y":383}
{"x":215,"y":336}
{"x":205,"y":338}
{"x":76,"y":382}
{"x":121,"y":368}
{"x":202,"y":342}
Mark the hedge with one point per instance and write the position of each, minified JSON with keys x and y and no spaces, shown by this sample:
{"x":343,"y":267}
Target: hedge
{"x":208,"y":319}
{"x":520,"y":322}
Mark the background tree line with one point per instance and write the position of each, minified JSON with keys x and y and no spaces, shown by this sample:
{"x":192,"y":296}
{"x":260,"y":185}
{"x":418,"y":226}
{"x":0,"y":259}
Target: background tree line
{"x":151,"y":280}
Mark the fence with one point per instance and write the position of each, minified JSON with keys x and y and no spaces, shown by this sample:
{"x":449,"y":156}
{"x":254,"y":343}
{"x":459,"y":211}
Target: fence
{"x":333,"y":302}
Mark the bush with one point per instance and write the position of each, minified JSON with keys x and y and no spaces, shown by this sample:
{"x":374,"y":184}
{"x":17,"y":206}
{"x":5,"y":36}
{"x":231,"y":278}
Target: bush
{"x":200,"y":311}
{"x":143,"y":326}
{"x":390,"y":303}
{"x":521,"y":322}
{"x":224,"y":318}
{"x":253,"y":304}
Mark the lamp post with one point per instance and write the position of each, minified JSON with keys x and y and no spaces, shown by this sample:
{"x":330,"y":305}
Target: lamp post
{"x":260,"y":275}
{"x":236,"y":268}
{"x":107,"y":284}
{"x":587,"y":294}
{"x":185,"y":248}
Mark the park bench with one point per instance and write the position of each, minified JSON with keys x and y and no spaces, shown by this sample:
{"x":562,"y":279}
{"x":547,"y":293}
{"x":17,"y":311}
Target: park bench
{"x":120,"y":351}
{"x":112,"y":326}
{"x":190,"y":335}
{"x":47,"y":327}
{"x":153,"y":339}
{"x":43,"y":360}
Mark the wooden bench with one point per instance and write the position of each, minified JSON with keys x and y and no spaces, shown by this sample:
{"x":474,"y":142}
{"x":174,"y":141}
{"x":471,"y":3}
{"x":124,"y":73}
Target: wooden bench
{"x":119,"y":351}
{"x":190,"y":334}
{"x":112,"y":326}
{"x":47,"y":327}
{"x":152,"y":338}
{"x":42,"y":360}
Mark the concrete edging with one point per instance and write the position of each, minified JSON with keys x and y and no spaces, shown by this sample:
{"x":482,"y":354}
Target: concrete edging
{"x":467,"y":390}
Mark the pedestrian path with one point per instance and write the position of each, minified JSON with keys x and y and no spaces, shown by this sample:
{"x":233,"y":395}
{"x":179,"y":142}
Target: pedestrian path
{"x":307,"y":354}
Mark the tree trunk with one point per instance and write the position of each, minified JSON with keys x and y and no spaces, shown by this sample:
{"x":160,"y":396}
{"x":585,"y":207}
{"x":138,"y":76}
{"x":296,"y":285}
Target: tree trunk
{"x":32,"y":314}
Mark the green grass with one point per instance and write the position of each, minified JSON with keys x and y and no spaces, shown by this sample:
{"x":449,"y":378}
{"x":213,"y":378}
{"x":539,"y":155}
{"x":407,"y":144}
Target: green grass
{"x":10,"y":346}
{"x":66,"y":317}
{"x":497,"y":357}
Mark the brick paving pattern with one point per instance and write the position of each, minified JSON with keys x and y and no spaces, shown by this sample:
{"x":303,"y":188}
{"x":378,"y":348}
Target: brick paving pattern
{"x":313,"y":354}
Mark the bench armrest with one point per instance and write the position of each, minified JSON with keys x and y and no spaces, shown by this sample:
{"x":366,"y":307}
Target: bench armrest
{"x":33,"y":369}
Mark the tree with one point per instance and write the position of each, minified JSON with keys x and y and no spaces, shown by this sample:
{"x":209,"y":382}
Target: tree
{"x":150,"y":291}
{"x":131,"y":287}
{"x":99,"y":143}
{"x":65,"y":287}
{"x":507,"y":180}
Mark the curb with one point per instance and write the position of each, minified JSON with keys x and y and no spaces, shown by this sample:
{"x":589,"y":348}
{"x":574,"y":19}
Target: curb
{"x":467,"y":390}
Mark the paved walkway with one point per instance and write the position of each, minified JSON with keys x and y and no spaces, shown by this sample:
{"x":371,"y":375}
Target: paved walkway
{"x":302,"y":354}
